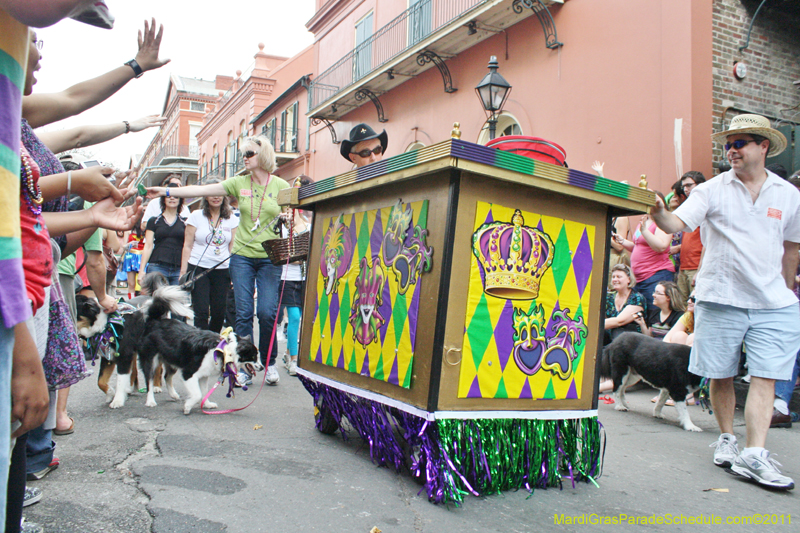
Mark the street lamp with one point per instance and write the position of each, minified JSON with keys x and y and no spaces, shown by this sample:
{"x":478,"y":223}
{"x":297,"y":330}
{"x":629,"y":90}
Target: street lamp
{"x":493,"y":91}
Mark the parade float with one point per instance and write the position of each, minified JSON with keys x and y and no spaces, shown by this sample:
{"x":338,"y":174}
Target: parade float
{"x":453,"y":314}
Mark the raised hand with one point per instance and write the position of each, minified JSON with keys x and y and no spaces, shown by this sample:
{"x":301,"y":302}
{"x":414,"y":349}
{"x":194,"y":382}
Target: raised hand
{"x":597,"y":166}
{"x":93,"y":185}
{"x":156,"y":192}
{"x":150,"y":121}
{"x":149,"y":45}
{"x":107,"y":215}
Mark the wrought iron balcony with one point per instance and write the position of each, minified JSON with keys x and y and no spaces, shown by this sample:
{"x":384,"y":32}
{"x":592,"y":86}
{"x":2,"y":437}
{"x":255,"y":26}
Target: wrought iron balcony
{"x":407,"y":29}
{"x":174,"y":152}
{"x":425,"y":35}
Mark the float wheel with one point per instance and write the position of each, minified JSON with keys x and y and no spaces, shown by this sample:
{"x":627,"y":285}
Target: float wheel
{"x":324,"y":419}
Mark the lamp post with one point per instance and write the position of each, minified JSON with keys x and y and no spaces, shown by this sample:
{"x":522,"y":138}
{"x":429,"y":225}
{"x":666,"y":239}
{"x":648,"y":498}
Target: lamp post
{"x":493,"y":91}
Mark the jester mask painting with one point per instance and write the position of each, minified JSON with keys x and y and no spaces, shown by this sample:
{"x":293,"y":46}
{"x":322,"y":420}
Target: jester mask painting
{"x":368,"y":291}
{"x":525,"y":335}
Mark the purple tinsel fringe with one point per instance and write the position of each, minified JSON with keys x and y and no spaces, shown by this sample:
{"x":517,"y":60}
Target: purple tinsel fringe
{"x":400,"y":440}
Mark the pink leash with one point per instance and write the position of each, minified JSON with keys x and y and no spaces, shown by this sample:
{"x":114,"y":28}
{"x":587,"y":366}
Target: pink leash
{"x":263,"y":381}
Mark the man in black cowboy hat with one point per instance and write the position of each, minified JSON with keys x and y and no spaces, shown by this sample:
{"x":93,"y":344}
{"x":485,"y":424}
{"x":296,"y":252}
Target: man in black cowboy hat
{"x":364,"y":145}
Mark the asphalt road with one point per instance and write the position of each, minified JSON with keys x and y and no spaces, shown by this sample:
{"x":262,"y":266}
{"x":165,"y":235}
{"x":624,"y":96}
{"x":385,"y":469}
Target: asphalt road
{"x":267,"y":468}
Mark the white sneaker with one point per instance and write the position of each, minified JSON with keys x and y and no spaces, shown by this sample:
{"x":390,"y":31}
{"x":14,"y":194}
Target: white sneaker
{"x":272,"y":377}
{"x":726,"y":450}
{"x":762,"y":469}
{"x":292,"y":367}
{"x":286,"y":360}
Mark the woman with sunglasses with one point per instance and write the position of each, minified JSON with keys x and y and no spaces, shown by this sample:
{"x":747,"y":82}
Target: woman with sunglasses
{"x":163,"y":239}
{"x":251,"y":270}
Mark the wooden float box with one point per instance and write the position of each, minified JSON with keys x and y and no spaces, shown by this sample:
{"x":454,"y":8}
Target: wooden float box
{"x":461,"y":280}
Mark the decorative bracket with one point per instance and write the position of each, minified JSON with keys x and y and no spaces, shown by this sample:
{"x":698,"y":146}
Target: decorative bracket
{"x":427,"y":56}
{"x":366,"y":93}
{"x":315,"y":121}
{"x":544,"y":16}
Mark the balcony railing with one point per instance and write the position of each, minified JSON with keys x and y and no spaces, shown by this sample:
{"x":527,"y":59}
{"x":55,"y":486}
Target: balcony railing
{"x":406,"y":30}
{"x":183,"y":151}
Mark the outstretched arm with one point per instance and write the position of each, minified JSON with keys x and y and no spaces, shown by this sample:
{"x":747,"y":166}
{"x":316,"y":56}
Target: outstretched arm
{"x":190,"y":191}
{"x":665,"y":220}
{"x":103,"y":214}
{"x":42,"y":13}
{"x":82,"y":136}
{"x":43,"y":109}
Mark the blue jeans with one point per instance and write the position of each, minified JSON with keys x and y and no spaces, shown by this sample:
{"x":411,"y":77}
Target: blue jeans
{"x":172,"y":273}
{"x":6,"y":347}
{"x":40,"y":449}
{"x":646,"y":287}
{"x":249,"y":274}
{"x":784,"y":389}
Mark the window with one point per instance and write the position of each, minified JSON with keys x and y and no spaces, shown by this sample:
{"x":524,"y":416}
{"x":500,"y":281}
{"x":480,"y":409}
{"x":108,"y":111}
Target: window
{"x":506,"y":125}
{"x":282,"y":134}
{"x":419,"y":20}
{"x":269,"y":131}
{"x":290,"y":133}
{"x":416,"y":145}
{"x":362,"y":60}
{"x":197,"y":106}
{"x":194,"y":129}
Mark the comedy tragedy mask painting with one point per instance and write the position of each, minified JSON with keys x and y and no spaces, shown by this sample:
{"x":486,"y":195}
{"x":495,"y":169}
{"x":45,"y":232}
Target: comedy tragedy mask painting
{"x":368,"y":291}
{"x":525,"y":334}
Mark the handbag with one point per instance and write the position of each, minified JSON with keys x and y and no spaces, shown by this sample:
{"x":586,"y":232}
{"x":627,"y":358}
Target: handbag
{"x":64,"y":363}
{"x":289,"y":249}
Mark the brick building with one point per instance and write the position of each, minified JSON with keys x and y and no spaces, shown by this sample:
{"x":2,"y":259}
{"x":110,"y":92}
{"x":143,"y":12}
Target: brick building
{"x":770,"y":84}
{"x":174,"y":147}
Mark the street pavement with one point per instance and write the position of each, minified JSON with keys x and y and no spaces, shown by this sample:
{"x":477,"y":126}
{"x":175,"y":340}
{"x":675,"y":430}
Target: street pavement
{"x":267,"y":468}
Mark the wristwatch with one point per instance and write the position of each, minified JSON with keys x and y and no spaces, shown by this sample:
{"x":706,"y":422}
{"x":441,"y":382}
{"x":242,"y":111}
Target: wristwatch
{"x":137,"y":70}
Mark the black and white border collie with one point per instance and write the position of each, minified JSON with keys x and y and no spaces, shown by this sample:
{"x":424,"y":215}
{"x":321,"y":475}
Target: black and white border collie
{"x":632,"y":357}
{"x":155,"y":338}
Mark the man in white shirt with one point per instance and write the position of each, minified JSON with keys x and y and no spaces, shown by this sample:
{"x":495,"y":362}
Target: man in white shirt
{"x":749,"y":221}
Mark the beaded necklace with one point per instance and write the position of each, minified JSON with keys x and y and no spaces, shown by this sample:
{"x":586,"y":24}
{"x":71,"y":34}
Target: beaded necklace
{"x":30,"y":184}
{"x":217,"y":236}
{"x":256,"y":220}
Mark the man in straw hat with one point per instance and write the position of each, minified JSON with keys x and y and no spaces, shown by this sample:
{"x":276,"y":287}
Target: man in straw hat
{"x":749,"y":222}
{"x":364,"y":146}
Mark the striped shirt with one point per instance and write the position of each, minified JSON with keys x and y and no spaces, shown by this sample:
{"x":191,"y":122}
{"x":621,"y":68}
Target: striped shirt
{"x":14,"y":44}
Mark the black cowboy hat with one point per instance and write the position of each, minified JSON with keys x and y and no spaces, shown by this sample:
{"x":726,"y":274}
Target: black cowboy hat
{"x":359,"y":133}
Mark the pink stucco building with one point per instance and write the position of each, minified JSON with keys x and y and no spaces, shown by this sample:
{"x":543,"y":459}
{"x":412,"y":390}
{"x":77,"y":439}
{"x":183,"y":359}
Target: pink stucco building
{"x":605,"y":80}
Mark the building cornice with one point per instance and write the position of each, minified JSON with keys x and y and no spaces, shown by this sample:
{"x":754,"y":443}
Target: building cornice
{"x":250,"y":88}
{"x":328,"y":14}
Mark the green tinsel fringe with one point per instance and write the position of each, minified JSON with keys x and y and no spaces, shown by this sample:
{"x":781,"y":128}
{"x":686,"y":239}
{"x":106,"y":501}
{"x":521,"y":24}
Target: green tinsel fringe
{"x":487,"y":456}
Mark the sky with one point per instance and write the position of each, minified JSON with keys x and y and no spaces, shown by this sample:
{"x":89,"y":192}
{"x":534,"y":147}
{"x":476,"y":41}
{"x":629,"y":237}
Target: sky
{"x":202,"y":38}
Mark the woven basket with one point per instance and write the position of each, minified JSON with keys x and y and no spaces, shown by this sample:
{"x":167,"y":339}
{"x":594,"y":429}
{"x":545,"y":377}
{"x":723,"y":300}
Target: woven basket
{"x":280,"y":252}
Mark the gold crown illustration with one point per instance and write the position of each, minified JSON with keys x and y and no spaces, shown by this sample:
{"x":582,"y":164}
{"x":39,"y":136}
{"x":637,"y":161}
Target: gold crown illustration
{"x":513,"y":258}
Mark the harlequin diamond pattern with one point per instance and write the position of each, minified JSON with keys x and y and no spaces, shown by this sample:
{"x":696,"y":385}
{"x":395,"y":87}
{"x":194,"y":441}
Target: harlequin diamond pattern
{"x":488,"y":369}
{"x":389,"y":357}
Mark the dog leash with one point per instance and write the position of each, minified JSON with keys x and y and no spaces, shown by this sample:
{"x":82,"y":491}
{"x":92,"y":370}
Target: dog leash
{"x":188,"y":283}
{"x":263,"y":381}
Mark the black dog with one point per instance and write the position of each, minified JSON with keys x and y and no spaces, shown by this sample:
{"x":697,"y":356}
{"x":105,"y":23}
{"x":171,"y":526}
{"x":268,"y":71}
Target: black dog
{"x":665,"y":366}
{"x":198,"y":354}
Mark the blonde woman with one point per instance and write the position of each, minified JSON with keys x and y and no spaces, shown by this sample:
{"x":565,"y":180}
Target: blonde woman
{"x":251,"y":270}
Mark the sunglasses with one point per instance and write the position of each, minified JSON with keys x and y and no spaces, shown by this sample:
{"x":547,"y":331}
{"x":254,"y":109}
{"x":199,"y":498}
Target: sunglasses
{"x":173,"y":184}
{"x":692,"y":299}
{"x":365,"y":152}
{"x":738,"y":144}
{"x":248,"y":154}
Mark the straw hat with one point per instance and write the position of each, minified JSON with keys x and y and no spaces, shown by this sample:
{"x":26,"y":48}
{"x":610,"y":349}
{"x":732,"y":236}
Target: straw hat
{"x":754,"y":125}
